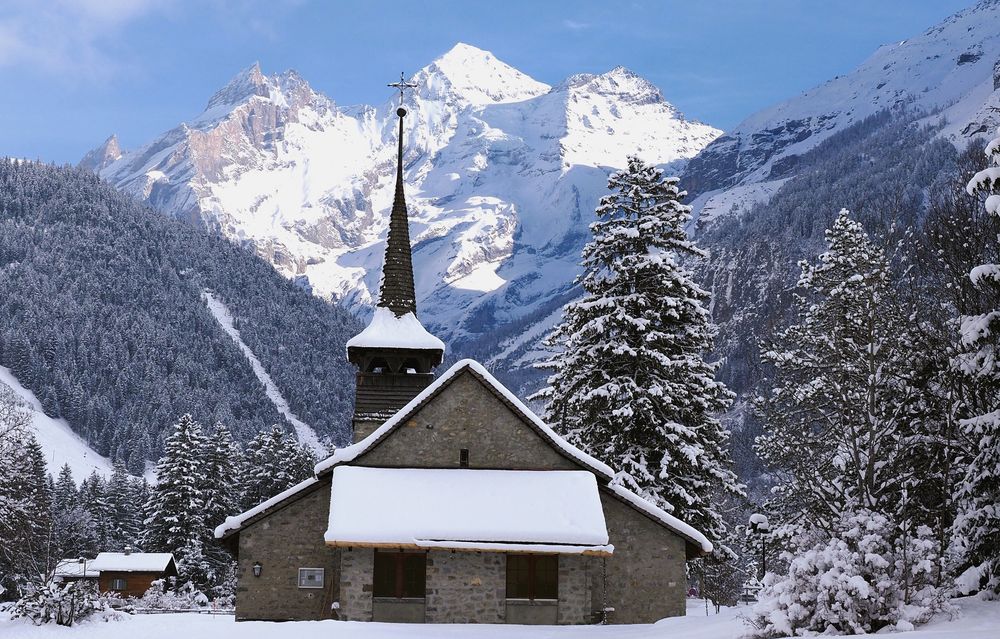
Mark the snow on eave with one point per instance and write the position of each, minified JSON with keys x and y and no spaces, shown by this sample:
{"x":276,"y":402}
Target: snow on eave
{"x":605,"y":550}
{"x":235,"y":523}
{"x":668,"y":520}
{"x":352,"y":452}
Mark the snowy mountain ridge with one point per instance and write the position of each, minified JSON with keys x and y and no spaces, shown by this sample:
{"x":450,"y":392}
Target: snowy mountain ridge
{"x":502,"y":174}
{"x":952,"y":71}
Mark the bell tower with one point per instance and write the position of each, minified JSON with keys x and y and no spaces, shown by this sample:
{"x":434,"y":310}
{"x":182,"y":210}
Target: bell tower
{"x":395,"y":354}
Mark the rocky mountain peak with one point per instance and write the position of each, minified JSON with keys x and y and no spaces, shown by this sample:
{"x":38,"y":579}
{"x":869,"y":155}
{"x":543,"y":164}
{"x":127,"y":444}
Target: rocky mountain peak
{"x":245,"y":84}
{"x":102,"y":156}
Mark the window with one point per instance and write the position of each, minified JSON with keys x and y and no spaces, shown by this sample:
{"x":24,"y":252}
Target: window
{"x":463,"y":458}
{"x":119,"y":584}
{"x":532,"y":576}
{"x":310,"y":577}
{"x":400,"y":574}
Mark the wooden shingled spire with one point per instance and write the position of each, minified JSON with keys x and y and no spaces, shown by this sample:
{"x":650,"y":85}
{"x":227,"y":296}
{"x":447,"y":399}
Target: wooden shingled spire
{"x":396,"y":292}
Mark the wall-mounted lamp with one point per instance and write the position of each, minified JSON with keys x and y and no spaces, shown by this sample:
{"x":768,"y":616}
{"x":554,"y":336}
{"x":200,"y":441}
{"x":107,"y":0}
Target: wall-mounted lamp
{"x":257,"y":568}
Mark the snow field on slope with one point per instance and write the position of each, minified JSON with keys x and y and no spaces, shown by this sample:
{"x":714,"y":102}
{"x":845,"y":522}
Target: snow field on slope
{"x":60,"y":444}
{"x":305,"y":433}
{"x":978,"y":620}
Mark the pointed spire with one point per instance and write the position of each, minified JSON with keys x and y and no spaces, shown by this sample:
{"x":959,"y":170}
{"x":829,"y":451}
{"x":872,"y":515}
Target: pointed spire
{"x":396,"y":292}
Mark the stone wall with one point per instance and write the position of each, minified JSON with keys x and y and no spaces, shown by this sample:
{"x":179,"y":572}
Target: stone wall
{"x":357,"y":566}
{"x":467,"y":415}
{"x":646,"y":578}
{"x":466,"y":587}
{"x":287,"y":539}
{"x":575,"y":577}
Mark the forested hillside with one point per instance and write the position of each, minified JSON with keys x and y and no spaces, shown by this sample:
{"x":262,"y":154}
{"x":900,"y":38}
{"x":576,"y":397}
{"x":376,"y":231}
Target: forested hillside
{"x":101,"y":316}
{"x":890,"y":171}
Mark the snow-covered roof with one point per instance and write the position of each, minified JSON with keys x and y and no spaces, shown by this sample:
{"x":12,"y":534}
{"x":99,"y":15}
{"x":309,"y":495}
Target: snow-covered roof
{"x":236,"y":522}
{"x":73,"y":568}
{"x":350,"y":453}
{"x":664,"y":517}
{"x":465,"y":509}
{"x":388,"y":331}
{"x":131,"y":562}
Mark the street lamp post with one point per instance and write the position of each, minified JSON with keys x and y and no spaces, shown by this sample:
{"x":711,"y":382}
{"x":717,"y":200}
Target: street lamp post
{"x":760,"y":526}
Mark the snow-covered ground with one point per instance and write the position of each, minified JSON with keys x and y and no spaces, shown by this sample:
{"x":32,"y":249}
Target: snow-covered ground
{"x":978,"y":620}
{"x":305,"y":433}
{"x":60,"y":443}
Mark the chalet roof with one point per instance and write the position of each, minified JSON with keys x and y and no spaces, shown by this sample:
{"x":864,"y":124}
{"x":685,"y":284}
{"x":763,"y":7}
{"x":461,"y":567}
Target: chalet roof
{"x":350,"y":453}
{"x":73,"y":568}
{"x":467,"y":509}
{"x":131,"y":562}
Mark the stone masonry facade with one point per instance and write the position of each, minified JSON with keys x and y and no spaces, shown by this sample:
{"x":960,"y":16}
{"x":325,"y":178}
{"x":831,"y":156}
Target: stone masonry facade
{"x":644,"y":580}
{"x":646,"y":577}
{"x":466,"y":415}
{"x":466,"y":587}
{"x":289,"y":538}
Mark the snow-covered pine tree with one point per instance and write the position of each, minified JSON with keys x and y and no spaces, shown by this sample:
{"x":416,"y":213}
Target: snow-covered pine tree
{"x":25,"y":498}
{"x":223,"y":458}
{"x":124,"y":511}
{"x":839,"y":443}
{"x":93,"y":498}
{"x":73,"y":531}
{"x":630,"y":383}
{"x":177,"y":519}
{"x":977,"y":524}
{"x":274,"y":461}
{"x":841,"y":392}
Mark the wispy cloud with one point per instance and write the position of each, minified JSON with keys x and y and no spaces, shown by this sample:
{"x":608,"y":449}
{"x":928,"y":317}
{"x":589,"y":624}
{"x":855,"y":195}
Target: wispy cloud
{"x":575,"y":25}
{"x":71,"y":38}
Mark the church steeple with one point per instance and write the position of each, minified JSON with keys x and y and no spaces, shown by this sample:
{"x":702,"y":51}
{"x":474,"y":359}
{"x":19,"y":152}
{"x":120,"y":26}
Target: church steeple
{"x":395,"y":354}
{"x":396,"y":292}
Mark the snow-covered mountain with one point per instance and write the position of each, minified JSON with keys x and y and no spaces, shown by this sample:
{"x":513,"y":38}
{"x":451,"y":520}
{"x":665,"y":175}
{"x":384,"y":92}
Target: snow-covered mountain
{"x":503,"y":173}
{"x":952,"y":71}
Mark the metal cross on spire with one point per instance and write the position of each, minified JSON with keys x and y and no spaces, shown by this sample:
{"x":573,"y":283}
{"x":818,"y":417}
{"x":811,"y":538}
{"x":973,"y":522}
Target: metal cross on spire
{"x":402,"y":85}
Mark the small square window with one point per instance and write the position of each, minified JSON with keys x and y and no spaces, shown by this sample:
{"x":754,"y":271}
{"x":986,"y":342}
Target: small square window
{"x":119,"y":584}
{"x":310,"y":577}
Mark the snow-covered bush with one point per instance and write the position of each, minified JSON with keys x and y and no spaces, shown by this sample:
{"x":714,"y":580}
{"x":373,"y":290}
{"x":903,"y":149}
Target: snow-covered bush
{"x":63,"y":604}
{"x":867,"y":575}
{"x":158,"y":597}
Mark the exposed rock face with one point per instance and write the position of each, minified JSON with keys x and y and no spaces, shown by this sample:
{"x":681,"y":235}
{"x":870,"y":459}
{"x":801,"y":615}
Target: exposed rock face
{"x":102,"y":156}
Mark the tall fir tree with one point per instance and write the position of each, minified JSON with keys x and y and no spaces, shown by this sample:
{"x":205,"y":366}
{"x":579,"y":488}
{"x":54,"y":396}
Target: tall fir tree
{"x":841,"y":394}
{"x":843,"y":417}
{"x":274,"y":461}
{"x":124,"y":511}
{"x":223,"y":458}
{"x":25,"y":499}
{"x":977,"y":524}
{"x":176,"y":522}
{"x":630,"y":383}
{"x":73,"y":531}
{"x":94,"y":499}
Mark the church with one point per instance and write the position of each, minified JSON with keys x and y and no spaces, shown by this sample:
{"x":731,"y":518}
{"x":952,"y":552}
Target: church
{"x":455,"y":503}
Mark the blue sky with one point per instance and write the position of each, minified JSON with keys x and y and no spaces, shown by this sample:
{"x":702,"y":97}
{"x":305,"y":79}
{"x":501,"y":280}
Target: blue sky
{"x":74,"y":71}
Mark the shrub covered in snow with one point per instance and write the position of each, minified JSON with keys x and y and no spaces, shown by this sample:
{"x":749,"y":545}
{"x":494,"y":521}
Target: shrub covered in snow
{"x":867,"y":575}
{"x":63,"y":604}
{"x":185,"y":597}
